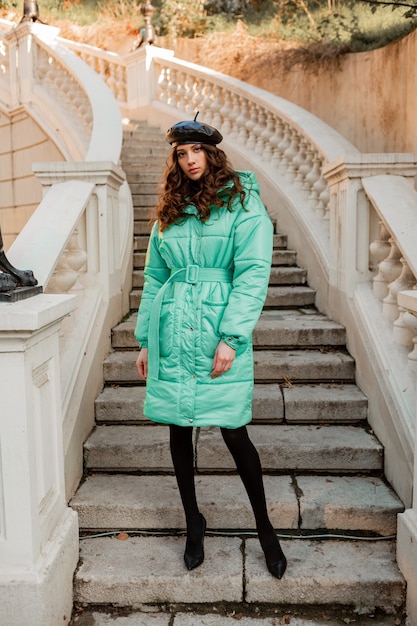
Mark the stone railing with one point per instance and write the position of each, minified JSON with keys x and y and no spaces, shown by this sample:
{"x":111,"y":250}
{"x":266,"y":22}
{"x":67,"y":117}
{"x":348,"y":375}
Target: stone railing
{"x":85,"y":217}
{"x":394,"y":257}
{"x":78,"y":242}
{"x":111,"y":67}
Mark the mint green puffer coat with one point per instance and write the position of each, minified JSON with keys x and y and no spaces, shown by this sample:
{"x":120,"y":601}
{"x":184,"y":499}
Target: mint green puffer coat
{"x":204,"y":282}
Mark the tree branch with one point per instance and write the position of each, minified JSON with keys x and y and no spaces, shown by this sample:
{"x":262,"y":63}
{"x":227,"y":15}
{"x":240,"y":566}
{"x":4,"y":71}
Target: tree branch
{"x":392,"y":4}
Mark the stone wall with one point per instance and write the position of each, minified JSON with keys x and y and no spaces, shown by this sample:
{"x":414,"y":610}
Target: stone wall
{"x":22,"y":142}
{"x":370,"y":98}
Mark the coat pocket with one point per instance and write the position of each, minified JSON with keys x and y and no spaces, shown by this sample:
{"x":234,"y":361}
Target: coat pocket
{"x":166,"y":328}
{"x":211,"y":317}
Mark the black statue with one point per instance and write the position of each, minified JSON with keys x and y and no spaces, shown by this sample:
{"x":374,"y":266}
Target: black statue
{"x":31,"y":12}
{"x":10,"y":277}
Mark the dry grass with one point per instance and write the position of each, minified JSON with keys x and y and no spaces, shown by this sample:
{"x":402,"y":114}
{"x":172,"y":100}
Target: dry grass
{"x":245,"y":57}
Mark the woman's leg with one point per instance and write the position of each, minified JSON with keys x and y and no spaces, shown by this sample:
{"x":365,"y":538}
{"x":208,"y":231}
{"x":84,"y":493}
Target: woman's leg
{"x":249,"y":467}
{"x":182,"y":453}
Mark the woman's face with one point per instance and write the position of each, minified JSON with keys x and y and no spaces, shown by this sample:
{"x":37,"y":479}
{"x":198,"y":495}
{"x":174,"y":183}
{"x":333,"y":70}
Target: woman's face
{"x":192,"y":159}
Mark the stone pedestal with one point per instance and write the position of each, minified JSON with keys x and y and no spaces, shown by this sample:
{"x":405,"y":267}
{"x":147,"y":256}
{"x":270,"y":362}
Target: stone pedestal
{"x":38,"y":532}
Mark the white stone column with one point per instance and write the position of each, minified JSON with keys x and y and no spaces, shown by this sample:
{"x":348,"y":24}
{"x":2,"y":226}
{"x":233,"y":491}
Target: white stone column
{"x":141,"y":85}
{"x":407,"y":521}
{"x":38,"y":532}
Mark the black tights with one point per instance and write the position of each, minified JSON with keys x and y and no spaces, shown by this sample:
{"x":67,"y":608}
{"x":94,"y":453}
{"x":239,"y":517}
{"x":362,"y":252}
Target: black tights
{"x":249,"y":468}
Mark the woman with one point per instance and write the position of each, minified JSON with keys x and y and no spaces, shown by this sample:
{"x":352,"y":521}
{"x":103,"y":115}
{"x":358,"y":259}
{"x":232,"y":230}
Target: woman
{"x":206,"y":278}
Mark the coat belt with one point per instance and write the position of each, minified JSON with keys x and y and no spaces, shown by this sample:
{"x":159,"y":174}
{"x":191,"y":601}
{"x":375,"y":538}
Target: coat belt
{"x":191,"y":274}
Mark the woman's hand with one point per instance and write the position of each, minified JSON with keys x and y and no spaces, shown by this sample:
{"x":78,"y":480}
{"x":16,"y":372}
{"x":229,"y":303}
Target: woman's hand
{"x":142,"y":363}
{"x":223,"y":359}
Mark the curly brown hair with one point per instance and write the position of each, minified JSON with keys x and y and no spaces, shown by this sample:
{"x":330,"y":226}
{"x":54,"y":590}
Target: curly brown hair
{"x":178,"y":191}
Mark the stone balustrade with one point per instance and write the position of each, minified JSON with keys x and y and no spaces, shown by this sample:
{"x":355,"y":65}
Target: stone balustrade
{"x":111,"y":68}
{"x":78,"y":242}
{"x":393,"y":255}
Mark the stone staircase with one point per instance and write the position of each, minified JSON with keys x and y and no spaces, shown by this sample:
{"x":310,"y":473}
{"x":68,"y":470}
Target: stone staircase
{"x":328,"y":500}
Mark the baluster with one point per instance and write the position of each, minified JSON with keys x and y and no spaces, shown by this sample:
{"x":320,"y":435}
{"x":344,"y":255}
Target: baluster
{"x":318,"y":188}
{"x":189,"y":95}
{"x":312,"y":177}
{"x":299,"y":160}
{"x":216,"y":105}
{"x":163,"y":83}
{"x":257,"y":131}
{"x":275,"y":141}
{"x":197,"y":95}
{"x":389,"y":268}
{"x":307,"y":167}
{"x":225,"y":112}
{"x":65,"y":276}
{"x":241,"y":121}
{"x":290,"y":154}
{"x":379,"y":250}
{"x":250,"y":125}
{"x":404,"y":281}
{"x":120,"y":84}
{"x":234,"y":114}
{"x":171,"y":87}
{"x":324,"y":200}
{"x":267,"y":135}
{"x":283,"y":146}
{"x":206,"y":103}
{"x":180,"y":90}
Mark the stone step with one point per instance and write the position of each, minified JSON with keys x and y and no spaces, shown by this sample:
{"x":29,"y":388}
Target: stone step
{"x":144,"y":212}
{"x":299,"y":404}
{"x":148,"y":163}
{"x":287,"y":296}
{"x":149,"y":146}
{"x":282,"y":448}
{"x":145,"y":176}
{"x":137,"y":140}
{"x":146,"y":570}
{"x":227,"y":616}
{"x":337,"y":503}
{"x":284,"y":366}
{"x":144,"y":189}
{"x":286,"y":328}
{"x":290,"y":296}
{"x":143,"y":227}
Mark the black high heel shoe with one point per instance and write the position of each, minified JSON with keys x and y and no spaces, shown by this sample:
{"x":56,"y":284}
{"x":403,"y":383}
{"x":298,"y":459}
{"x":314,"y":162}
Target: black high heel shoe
{"x":194,"y":551}
{"x":277,"y":568}
{"x":274,"y":556}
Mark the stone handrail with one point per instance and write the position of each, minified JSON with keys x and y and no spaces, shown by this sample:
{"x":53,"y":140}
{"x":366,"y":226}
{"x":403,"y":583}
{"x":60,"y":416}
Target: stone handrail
{"x":394,"y":254}
{"x":79,"y":239}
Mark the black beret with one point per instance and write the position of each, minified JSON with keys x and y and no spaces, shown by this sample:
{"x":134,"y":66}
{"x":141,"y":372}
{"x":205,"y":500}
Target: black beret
{"x":192,"y":132}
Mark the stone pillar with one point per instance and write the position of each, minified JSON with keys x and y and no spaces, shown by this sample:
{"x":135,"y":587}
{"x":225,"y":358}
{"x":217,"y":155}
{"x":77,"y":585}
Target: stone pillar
{"x":141,"y":80}
{"x":38,"y":532}
{"x":407,"y":521}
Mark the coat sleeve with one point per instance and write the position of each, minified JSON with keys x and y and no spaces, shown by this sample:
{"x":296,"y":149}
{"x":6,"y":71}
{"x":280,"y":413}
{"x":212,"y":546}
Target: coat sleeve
{"x":253,"y":242}
{"x":156,"y":274}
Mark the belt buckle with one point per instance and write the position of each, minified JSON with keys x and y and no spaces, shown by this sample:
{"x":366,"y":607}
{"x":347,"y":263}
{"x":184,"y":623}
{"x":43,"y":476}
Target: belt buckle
{"x":191,"y":274}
